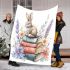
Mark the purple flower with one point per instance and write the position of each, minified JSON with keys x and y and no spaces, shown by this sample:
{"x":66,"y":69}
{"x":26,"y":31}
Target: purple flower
{"x":17,"y":36}
{"x":17,"y":27}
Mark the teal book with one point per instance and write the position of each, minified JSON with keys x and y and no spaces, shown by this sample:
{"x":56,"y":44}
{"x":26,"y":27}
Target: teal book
{"x":29,"y":39}
{"x":30,"y":56}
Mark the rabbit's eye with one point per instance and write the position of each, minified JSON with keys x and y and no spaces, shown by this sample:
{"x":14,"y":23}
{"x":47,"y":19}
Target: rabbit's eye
{"x":28,"y":19}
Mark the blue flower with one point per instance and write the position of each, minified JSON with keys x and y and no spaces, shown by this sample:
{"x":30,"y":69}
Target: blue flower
{"x":18,"y":53}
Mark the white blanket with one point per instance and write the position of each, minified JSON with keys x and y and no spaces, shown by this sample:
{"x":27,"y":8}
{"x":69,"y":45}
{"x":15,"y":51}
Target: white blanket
{"x":32,"y":37}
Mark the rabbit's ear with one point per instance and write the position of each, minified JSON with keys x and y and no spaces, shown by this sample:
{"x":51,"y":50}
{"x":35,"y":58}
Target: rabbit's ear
{"x":31,"y":15}
{"x":26,"y":15}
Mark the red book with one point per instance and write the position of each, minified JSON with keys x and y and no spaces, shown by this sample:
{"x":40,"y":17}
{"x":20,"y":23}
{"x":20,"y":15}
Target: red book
{"x":29,"y":50}
{"x":26,"y":44}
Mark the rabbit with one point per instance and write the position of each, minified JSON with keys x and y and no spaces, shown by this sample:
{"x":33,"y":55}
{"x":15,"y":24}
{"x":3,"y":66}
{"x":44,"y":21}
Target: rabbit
{"x":30,"y":29}
{"x":41,"y":51}
{"x":41,"y":45}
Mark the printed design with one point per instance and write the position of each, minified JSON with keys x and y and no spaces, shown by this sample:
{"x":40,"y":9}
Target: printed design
{"x":33,"y":36}
{"x":29,"y":45}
